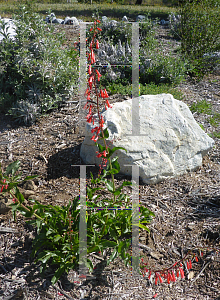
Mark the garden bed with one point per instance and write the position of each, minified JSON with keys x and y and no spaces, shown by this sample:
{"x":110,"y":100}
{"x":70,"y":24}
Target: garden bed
{"x":187,"y":210}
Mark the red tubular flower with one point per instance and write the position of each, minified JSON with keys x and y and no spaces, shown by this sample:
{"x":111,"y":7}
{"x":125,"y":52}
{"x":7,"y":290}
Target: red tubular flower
{"x":90,"y":69}
{"x":88,"y":96}
{"x":155,"y":296}
{"x":109,"y":105}
{"x":94,"y":138}
{"x":99,"y":155}
{"x":149,"y":275}
{"x":201,"y":254}
{"x":182,"y":273}
{"x":196,"y":258}
{"x":99,"y":29}
{"x":156,"y":279}
{"x":161,"y":280}
{"x":173,"y":278}
{"x":177,"y":273}
{"x":85,"y":106}
{"x":99,"y":75}
{"x":89,"y":120}
{"x":98,"y":21}
{"x":4,"y":186}
{"x":90,"y":29}
{"x":190,"y":264}
{"x":105,"y":93}
{"x":97,"y":44}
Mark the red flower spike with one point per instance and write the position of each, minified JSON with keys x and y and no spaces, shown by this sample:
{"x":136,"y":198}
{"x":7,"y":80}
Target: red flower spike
{"x":182,"y":273}
{"x":155,"y":296}
{"x":161,"y":280}
{"x":102,"y":94}
{"x":196,"y":258}
{"x":168,"y":279}
{"x":156,"y":279}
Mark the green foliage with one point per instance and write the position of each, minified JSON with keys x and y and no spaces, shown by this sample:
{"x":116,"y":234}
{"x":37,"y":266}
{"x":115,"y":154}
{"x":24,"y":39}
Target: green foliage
{"x":202,"y":107}
{"x":57,"y":240}
{"x":216,"y":134}
{"x":200,"y":34}
{"x":37,"y":72}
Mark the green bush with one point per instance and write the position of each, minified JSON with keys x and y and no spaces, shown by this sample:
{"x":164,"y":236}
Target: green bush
{"x":37,"y":71}
{"x":200,"y":33}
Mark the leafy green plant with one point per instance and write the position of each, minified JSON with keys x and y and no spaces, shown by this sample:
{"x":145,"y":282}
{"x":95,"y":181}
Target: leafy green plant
{"x":108,"y":226}
{"x":36,"y":69}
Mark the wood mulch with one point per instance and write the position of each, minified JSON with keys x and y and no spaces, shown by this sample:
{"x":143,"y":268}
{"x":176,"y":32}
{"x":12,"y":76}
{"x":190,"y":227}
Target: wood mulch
{"x":187,"y":210}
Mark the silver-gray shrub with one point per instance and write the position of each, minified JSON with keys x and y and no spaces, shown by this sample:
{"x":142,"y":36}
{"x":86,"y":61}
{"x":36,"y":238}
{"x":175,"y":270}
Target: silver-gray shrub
{"x":36,"y":68}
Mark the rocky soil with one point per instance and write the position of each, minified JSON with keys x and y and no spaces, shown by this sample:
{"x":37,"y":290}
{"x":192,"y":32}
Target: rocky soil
{"x":187,"y":211}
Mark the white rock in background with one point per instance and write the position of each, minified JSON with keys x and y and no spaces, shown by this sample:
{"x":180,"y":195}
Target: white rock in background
{"x":104,"y":19}
{"x":71,"y":21}
{"x":140,"y":18}
{"x":171,"y":144}
{"x":124,"y":19}
{"x":8,"y":28}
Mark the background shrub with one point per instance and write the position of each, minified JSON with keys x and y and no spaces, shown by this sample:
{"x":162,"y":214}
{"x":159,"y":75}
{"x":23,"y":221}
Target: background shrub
{"x":36,"y":69}
{"x":200,"y":33}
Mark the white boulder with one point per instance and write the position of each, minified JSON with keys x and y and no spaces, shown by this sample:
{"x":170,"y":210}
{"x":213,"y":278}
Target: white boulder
{"x":71,"y":21}
{"x":170,"y":143}
{"x":7,"y":28}
{"x":140,"y":18}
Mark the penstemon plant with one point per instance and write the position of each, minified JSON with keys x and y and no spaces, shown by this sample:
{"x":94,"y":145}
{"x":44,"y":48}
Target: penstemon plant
{"x":108,"y":229}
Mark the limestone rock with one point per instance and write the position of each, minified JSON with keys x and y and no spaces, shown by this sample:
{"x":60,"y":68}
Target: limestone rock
{"x":170,"y":143}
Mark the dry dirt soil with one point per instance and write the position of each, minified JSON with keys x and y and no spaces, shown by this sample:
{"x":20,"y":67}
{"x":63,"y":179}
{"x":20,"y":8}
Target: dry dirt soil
{"x":187,"y":210}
